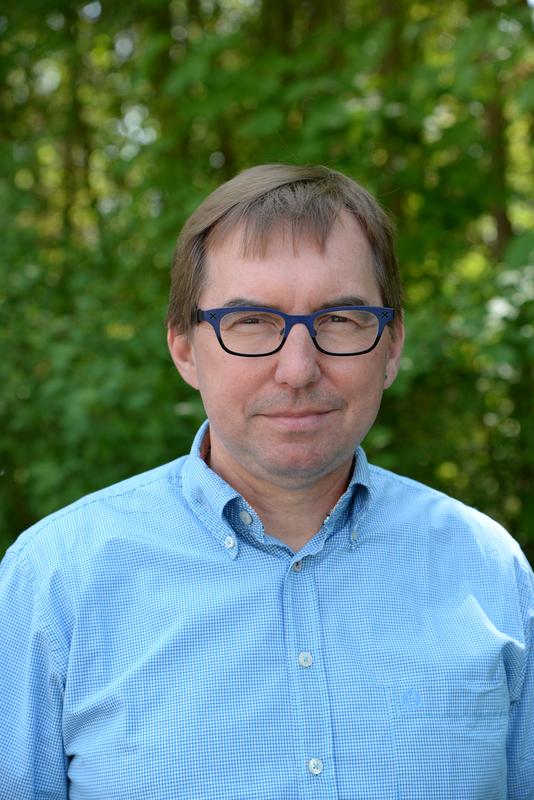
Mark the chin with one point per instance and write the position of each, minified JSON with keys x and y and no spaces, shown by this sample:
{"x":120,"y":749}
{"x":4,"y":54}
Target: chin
{"x":302,"y":468}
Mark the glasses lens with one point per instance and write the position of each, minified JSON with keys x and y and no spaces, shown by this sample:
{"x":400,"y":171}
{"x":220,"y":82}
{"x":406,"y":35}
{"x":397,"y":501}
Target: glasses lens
{"x":346,"y":332}
{"x":251,"y":333}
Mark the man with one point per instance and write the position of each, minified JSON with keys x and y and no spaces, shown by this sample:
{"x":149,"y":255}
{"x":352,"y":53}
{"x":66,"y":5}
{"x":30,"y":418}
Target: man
{"x":270,"y":617}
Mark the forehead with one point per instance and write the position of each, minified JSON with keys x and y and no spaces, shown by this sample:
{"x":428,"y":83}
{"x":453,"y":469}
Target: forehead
{"x":290,"y":259}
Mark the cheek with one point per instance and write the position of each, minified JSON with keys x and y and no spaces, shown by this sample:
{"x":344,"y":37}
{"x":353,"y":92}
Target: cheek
{"x":364,"y":377}
{"x":223,"y":385}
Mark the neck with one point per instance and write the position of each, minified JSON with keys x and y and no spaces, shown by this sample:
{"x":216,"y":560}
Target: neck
{"x":295,"y":517}
{"x":292,"y":514}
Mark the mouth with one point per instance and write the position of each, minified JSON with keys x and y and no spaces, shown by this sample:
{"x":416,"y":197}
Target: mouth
{"x":302,"y":420}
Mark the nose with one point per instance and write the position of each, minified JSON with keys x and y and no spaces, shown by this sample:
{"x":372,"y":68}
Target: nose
{"x":298,"y":361}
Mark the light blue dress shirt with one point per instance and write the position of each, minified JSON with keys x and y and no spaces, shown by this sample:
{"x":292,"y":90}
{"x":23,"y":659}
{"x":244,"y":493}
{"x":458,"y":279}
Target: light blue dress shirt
{"x":156,"y":644}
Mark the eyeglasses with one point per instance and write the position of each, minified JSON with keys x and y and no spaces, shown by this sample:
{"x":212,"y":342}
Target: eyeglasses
{"x":256,"y":331}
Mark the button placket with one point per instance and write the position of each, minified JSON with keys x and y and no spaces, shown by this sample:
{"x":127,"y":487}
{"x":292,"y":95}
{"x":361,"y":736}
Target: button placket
{"x":309,"y":698}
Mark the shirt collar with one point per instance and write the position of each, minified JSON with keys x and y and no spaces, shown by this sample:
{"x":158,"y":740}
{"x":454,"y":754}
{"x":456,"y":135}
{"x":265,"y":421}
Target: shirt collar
{"x":202,"y":486}
{"x":225,"y":512}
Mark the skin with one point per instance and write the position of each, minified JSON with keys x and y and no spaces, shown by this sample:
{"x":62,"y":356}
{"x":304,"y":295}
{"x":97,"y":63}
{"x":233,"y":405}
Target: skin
{"x":283,"y":428}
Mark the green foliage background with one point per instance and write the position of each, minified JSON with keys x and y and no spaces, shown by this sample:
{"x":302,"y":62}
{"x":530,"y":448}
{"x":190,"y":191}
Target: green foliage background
{"x":118,"y":118}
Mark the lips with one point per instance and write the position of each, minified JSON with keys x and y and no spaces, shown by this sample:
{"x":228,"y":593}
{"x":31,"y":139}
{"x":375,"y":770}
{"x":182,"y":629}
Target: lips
{"x":313,"y":407}
{"x":298,"y":421}
{"x":309,"y":412}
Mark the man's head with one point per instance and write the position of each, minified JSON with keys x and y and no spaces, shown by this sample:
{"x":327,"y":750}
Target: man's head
{"x":297,"y":241}
{"x":260,"y":200}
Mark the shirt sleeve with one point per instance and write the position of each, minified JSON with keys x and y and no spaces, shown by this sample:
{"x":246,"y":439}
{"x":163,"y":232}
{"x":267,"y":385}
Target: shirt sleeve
{"x":32,"y":759}
{"x":521,"y":728}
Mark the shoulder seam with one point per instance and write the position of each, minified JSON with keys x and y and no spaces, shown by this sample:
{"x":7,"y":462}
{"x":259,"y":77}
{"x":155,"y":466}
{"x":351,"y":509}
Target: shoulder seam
{"x":409,"y":482}
{"x":100,"y":496}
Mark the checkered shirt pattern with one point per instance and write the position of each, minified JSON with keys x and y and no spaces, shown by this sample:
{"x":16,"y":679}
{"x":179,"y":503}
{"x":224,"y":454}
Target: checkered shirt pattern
{"x":157,"y":644}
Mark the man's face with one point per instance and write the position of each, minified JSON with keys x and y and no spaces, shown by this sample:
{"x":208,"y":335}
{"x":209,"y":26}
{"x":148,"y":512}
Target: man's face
{"x":293,"y":418}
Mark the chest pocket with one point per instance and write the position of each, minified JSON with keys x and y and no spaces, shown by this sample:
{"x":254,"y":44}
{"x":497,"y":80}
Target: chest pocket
{"x":450,"y":739}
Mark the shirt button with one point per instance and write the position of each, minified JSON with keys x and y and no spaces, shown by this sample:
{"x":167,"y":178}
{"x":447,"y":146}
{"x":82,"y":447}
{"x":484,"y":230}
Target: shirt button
{"x":315,"y":766}
{"x":297,"y":566}
{"x":245,"y":517}
{"x":354,"y":535}
{"x":229,"y":542}
{"x":305,"y":659}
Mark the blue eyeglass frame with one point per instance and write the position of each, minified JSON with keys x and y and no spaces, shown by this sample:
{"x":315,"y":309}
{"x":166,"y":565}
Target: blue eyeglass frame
{"x":214,"y":316}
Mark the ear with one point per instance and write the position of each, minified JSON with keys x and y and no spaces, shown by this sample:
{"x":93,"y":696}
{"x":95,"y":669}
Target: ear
{"x":394,"y":352}
{"x":182,"y":353}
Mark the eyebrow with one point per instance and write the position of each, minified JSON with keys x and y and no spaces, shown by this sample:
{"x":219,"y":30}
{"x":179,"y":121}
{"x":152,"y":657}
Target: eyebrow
{"x":344,"y":300}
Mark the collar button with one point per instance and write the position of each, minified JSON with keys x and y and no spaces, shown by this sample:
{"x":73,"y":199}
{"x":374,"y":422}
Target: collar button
{"x":245,"y":517}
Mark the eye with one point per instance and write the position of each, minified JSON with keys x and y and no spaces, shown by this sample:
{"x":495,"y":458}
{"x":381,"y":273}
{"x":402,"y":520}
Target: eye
{"x":248,"y":320}
{"x":335,"y":319}
{"x":350,"y":320}
{"x":255,"y":319}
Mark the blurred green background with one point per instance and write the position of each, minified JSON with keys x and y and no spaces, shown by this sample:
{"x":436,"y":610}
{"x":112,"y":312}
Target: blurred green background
{"x":118,"y":118}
